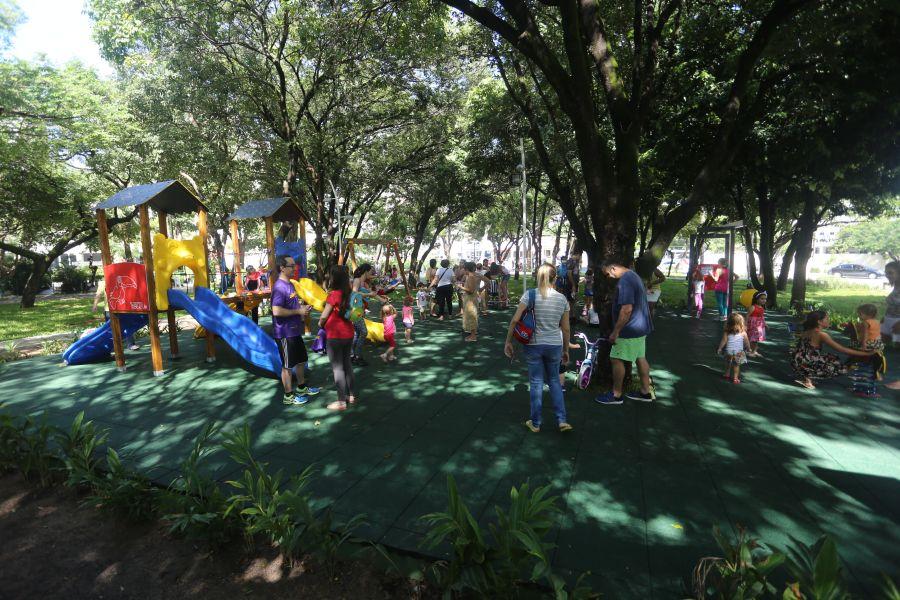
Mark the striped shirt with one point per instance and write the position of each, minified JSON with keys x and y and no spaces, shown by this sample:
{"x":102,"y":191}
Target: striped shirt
{"x":548,"y":312}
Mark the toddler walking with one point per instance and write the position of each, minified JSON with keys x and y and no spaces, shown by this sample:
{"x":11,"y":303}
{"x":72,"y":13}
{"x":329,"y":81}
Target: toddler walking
{"x":734,"y":341}
{"x":756,"y":322}
{"x":422,"y":301}
{"x":388,"y":314}
{"x":698,"y":287}
{"x":408,"y":317}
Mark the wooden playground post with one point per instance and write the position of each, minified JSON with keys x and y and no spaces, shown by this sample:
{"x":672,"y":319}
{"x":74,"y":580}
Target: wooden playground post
{"x":201,"y":230}
{"x":236,"y":245}
{"x":147,"y":249}
{"x":400,"y":265}
{"x":270,"y":244}
{"x":114,"y":325}
{"x":170,"y":313}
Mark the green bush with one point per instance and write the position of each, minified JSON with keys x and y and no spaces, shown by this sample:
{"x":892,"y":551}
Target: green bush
{"x":74,"y":280}
{"x":14,"y":277}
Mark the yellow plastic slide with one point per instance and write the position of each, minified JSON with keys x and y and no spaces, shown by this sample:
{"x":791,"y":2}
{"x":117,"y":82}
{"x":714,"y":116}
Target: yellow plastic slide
{"x":313,"y":294}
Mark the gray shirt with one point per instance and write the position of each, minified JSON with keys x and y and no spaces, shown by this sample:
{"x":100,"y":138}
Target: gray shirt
{"x":548,"y":312}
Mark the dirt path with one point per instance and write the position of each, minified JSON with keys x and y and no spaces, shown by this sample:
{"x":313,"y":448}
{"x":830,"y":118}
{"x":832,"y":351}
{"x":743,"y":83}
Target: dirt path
{"x":52,"y":548}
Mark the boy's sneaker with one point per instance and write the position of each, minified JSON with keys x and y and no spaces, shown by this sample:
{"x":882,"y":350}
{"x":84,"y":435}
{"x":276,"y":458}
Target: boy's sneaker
{"x":307,"y":391}
{"x":291,"y":399}
{"x":641,"y":396}
{"x":608,"y":398}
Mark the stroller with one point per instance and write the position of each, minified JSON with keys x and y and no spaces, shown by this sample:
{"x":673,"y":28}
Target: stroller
{"x":493,"y":294}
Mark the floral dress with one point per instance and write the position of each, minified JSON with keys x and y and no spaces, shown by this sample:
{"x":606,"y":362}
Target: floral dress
{"x":812,"y":362}
{"x":756,"y":324}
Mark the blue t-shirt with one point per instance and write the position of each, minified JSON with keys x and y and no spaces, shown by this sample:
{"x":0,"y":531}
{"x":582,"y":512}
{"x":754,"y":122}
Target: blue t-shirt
{"x":630,"y":290}
{"x":285,"y":296}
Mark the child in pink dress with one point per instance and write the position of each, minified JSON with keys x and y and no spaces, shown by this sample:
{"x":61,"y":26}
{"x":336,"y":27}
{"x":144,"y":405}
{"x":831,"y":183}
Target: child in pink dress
{"x":388,"y":314}
{"x":408,"y":320}
{"x":756,"y":323}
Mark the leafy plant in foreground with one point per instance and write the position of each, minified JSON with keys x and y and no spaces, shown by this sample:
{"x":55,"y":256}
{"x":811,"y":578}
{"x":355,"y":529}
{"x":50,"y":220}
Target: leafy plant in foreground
{"x":279,"y":508}
{"x":80,"y":447}
{"x":195,"y":505}
{"x":516,"y":550}
{"x":742,"y":572}
{"x":123,"y":491}
{"x":817,"y":570}
{"x":31,"y":449}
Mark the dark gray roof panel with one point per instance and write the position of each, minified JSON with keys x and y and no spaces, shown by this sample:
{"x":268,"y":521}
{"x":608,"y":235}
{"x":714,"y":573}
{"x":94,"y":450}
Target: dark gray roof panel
{"x":280,"y":209}
{"x":164,"y":196}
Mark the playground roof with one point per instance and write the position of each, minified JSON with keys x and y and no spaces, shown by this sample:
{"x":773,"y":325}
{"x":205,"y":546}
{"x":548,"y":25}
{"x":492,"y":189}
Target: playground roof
{"x":280,"y":209}
{"x":164,"y":196}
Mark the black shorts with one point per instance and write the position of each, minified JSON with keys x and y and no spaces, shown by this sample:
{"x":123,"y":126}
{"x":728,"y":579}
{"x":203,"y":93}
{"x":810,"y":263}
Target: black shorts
{"x":292,"y":351}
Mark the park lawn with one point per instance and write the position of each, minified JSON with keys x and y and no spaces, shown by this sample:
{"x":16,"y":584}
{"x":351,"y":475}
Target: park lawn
{"x":840,"y":299}
{"x":48,"y":316}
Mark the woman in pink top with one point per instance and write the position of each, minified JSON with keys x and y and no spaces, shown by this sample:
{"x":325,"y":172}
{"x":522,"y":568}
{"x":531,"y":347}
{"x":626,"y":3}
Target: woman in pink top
{"x":723,"y":279}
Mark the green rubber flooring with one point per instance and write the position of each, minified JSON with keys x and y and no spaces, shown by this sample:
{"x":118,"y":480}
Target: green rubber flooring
{"x":641,"y":485}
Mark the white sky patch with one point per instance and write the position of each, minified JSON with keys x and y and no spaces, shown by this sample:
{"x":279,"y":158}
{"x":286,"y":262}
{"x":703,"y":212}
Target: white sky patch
{"x":59,"y":29}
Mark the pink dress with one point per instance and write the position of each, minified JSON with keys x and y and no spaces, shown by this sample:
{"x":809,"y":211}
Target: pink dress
{"x":756,"y":324}
{"x":408,"y":316}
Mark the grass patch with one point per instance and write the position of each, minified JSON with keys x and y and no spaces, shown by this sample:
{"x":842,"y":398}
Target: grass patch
{"x":839,"y":298}
{"x":48,"y":316}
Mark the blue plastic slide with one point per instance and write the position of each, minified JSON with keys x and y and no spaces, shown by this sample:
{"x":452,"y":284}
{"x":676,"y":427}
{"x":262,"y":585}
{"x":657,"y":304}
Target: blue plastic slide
{"x":99,"y":343}
{"x":239,"y":332}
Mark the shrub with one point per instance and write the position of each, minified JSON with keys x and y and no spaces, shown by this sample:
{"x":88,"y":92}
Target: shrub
{"x":14,"y":277}
{"x":123,"y":491}
{"x":742,"y":572}
{"x":73,"y":279}
{"x":80,"y":447}
{"x":195,"y":506}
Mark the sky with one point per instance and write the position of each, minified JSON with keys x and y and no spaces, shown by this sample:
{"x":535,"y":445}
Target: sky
{"x":61,"y":30}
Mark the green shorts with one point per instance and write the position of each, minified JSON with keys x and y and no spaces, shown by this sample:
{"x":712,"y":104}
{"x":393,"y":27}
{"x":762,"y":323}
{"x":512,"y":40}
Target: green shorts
{"x":629,"y":349}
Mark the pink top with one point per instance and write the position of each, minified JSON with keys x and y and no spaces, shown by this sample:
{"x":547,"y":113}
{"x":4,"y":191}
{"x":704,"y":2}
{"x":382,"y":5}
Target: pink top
{"x":408,"y":315}
{"x":389,"y":327}
{"x":722,"y":281}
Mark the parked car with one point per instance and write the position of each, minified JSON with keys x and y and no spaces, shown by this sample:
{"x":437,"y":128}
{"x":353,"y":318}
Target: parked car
{"x":851,"y":270}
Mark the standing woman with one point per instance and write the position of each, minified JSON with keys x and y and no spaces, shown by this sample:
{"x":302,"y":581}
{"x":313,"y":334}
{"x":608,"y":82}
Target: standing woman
{"x":362,"y":277}
{"x":890,"y":324}
{"x":442,"y":282}
{"x":430,"y":272}
{"x":339,"y":336}
{"x":723,"y":278}
{"x":548,"y":347}
{"x":469,"y":291}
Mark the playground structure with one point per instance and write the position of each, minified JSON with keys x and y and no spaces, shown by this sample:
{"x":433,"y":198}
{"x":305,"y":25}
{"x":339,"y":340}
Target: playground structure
{"x":270,"y":210}
{"x":728,"y":232}
{"x":149,"y":286}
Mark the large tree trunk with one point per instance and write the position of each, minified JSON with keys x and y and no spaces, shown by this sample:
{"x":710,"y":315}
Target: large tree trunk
{"x":806,"y":227}
{"x":786,"y":263}
{"x":767,"y":243}
{"x":39,"y":267}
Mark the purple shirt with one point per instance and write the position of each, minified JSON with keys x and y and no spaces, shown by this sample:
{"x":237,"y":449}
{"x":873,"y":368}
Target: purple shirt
{"x":285,"y":296}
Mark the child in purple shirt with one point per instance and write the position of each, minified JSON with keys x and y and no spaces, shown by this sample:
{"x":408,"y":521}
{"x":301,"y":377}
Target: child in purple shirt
{"x":287,"y":320}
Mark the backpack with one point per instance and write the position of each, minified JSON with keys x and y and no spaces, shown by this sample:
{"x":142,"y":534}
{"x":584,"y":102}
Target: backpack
{"x":524,"y":329}
{"x":356,"y":308}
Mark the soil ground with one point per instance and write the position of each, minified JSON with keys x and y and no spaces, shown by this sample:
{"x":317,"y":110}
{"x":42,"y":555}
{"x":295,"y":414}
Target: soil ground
{"x":54,"y":548}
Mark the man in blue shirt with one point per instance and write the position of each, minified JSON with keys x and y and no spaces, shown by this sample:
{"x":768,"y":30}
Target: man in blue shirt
{"x":632,"y":324}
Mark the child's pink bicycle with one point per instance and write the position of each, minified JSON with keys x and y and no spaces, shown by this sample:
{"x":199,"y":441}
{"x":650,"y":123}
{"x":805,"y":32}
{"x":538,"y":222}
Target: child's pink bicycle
{"x":586,"y":366}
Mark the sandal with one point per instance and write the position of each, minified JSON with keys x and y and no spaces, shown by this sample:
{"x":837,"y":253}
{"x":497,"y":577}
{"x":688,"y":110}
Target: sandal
{"x":564,"y":427}
{"x":337,"y":405}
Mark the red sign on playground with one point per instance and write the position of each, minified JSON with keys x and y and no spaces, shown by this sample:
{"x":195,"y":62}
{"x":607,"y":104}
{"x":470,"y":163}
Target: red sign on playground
{"x":126,"y":287}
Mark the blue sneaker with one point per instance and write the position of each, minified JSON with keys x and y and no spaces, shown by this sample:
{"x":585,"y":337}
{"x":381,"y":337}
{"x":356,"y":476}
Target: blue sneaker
{"x":292,"y":399}
{"x":640,"y":396}
{"x":608,"y":398}
{"x":308,"y":391}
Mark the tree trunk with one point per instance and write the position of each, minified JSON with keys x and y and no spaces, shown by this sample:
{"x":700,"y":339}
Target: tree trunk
{"x":767,"y":243}
{"x":806,"y":227}
{"x":786,"y":263}
{"x":39,"y":267}
{"x":556,"y":241}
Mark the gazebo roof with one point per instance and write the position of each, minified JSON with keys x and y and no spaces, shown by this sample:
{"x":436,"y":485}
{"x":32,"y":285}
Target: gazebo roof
{"x":280,"y":209}
{"x":169,"y":196}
